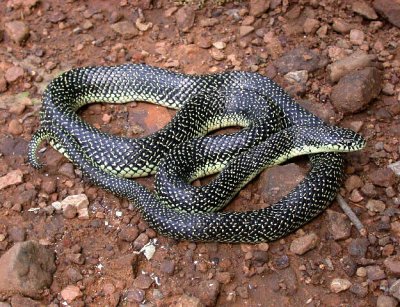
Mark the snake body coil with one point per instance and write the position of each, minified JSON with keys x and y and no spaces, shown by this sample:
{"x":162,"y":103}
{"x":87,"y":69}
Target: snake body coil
{"x":276,"y":128}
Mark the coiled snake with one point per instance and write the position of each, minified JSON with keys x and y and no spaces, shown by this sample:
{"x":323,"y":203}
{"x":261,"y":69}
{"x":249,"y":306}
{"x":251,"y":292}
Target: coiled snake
{"x":275,"y":128}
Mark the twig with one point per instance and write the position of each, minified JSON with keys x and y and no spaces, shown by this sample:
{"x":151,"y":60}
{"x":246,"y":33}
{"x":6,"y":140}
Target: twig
{"x":351,"y":215}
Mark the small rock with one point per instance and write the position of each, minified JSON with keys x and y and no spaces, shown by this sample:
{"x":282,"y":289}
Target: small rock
{"x":15,"y":127}
{"x":17,"y":233}
{"x":57,"y":16}
{"x":208,"y":291}
{"x":26,"y":268}
{"x":134,"y":295}
{"x":69,"y":211}
{"x":18,"y":31}
{"x":374,"y":205}
{"x":300,"y":59}
{"x":245,"y":30}
{"x":389,"y":9}
{"x":310,"y":26}
{"x":383,"y":177}
{"x":129,"y":234}
{"x":258,"y":7}
{"x":80,"y":202}
{"x":356,"y":61}
{"x":188,"y":301}
{"x":143,"y":27}
{"x":73,"y":275}
{"x":353,"y":182}
{"x":115,"y":17}
{"x":67,"y":169}
{"x":223,"y":277}
{"x":339,"y":285}
{"x":361,"y":272}
{"x":394,"y":289}
{"x":359,"y":290}
{"x":279,"y":180}
{"x":355,"y":90}
{"x":48,"y":185}
{"x":386,"y":301}
{"x":140,"y":241}
{"x":300,"y":76}
{"x":21,"y":301}
{"x":374,"y":272}
{"x":203,"y":41}
{"x":393,"y":265}
{"x":358,"y":247}
{"x":143,"y":281}
{"x":3,"y":83}
{"x":14,"y":73}
{"x":185,"y":17}
{"x":339,"y":225}
{"x":300,"y":246}
{"x":259,"y":258}
{"x":348,"y":265}
{"x":12,"y":178}
{"x":125,"y":28}
{"x":71,"y":293}
{"x":217,"y":55}
{"x":219,"y":45}
{"x":364,"y":9}
{"x":395,"y":167}
{"x":273,"y":45}
{"x":281,"y":262}
{"x":167,"y":266}
{"x":357,"y":37}
{"x":341,"y":26}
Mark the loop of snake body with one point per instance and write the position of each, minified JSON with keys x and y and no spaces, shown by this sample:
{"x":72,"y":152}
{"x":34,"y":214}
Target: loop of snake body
{"x":276,"y":128}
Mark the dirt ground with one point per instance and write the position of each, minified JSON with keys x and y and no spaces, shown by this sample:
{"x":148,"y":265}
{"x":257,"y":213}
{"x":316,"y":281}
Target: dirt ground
{"x":98,"y":262}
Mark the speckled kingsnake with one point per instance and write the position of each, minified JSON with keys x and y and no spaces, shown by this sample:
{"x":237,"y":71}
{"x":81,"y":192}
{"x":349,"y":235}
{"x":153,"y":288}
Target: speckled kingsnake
{"x":206,"y":102}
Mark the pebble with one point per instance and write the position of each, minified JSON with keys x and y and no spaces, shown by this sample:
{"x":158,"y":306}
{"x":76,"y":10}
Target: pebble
{"x":339,"y":225}
{"x":258,"y":7}
{"x":353,"y":182}
{"x":126,"y":29}
{"x":359,"y":290}
{"x":355,"y":90}
{"x":358,"y":247}
{"x":143,"y":281}
{"x":115,"y":16}
{"x":80,"y":202}
{"x":357,"y":37}
{"x":26,"y":268}
{"x":364,"y":9}
{"x":300,"y":76}
{"x":394,"y":289}
{"x":188,"y":301}
{"x":392,"y":265}
{"x":339,"y":285}
{"x":310,"y":26}
{"x":129,"y":234}
{"x":217,"y":55}
{"x":13,"y":177}
{"x":395,"y":167}
{"x":17,"y":30}
{"x":361,"y":272}
{"x":185,"y":17}
{"x":281,"y":262}
{"x":374,"y":272}
{"x":248,"y":20}
{"x":245,"y":30}
{"x":383,"y":177}
{"x":14,"y":73}
{"x":341,"y":26}
{"x":134,"y":295}
{"x":3,"y":83}
{"x":142,"y":26}
{"x":67,"y":169}
{"x":208,"y":291}
{"x":389,"y":9}
{"x":273,"y":45}
{"x":259,"y":258}
{"x":355,"y":61}
{"x":69,"y":211}
{"x":223,"y":277}
{"x":301,"y":245}
{"x":73,"y":274}
{"x":219,"y":45}
{"x":167,"y":266}
{"x":70,"y":293}
{"x":348,"y":265}
{"x":140,"y":241}
{"x":15,"y":127}
{"x":300,"y":58}
{"x":203,"y":41}
{"x":374,"y":205}
{"x":386,"y":301}
{"x":208,"y":22}
{"x":21,"y":301}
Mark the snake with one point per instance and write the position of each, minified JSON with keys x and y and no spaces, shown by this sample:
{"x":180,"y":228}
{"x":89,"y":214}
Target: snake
{"x":275,"y":129}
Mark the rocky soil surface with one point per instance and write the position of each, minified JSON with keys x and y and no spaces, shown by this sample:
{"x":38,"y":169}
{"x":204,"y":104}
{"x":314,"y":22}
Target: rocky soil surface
{"x":65,"y":242}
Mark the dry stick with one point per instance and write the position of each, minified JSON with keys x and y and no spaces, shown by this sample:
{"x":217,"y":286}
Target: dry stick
{"x":351,"y":215}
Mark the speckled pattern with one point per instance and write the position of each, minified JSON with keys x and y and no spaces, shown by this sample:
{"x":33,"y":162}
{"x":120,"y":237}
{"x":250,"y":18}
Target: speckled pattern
{"x":206,"y":103}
